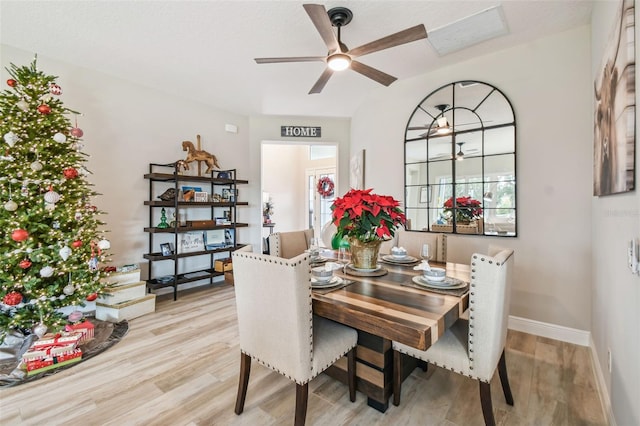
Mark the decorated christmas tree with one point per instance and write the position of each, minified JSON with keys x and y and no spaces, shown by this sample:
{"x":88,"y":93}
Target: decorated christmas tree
{"x":52,"y":246}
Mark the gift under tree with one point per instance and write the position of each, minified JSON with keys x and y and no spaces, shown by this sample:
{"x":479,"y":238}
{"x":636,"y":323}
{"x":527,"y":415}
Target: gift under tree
{"x":52,"y":244}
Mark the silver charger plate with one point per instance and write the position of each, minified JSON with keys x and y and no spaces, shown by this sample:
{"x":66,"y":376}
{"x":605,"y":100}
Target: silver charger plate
{"x":448,"y":283}
{"x":407,"y":259}
{"x":331,"y":283}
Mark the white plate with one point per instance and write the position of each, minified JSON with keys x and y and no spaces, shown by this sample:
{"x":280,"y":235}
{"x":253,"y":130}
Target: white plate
{"x":331,"y":283}
{"x":406,"y":259}
{"x":377,"y":268}
{"x":447,"y":284}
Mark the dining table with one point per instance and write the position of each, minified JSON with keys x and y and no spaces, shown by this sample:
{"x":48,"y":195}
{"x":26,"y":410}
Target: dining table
{"x":389,"y":304}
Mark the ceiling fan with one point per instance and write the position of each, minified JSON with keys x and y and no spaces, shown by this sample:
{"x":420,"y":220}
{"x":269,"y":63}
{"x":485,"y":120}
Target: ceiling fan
{"x":339,"y":56}
{"x":459,"y":155}
{"x":442,"y":126}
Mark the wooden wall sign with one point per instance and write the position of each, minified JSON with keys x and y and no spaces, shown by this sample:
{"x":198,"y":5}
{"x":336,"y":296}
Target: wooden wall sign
{"x":300,"y":131}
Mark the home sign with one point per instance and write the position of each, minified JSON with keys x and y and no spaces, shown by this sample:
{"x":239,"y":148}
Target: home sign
{"x":300,"y":131}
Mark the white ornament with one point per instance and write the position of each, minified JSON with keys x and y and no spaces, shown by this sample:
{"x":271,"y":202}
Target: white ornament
{"x":68,"y":290}
{"x":40,"y":330}
{"x":11,"y":138}
{"x":46,"y":98}
{"x":36,"y":166}
{"x":49,"y":207}
{"x":78,"y":216}
{"x":46,"y":272}
{"x":64,"y":252}
{"x":59,"y":137}
{"x":23,"y":105}
{"x":11,"y":206}
{"x":51,"y":196}
{"x":104,"y":244}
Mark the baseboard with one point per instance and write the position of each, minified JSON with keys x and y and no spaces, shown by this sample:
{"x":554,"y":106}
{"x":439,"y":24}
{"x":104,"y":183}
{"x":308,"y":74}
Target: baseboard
{"x":551,"y":331}
{"x":601,"y":384}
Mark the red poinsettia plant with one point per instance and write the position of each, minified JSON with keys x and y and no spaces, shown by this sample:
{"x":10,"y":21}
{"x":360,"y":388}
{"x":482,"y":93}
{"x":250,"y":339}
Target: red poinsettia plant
{"x":465,"y":210}
{"x":366,"y":216}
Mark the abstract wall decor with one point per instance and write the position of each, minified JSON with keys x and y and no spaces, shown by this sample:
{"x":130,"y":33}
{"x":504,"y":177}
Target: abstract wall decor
{"x":615,"y":109}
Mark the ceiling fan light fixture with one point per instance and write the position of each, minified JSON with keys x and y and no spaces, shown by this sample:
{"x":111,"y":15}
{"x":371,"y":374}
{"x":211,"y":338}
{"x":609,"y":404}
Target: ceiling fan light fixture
{"x":460,"y":154}
{"x":339,"y":62}
{"x":443,"y":126}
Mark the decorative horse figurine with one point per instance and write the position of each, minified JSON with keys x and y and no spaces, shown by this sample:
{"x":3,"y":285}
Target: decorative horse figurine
{"x":194,"y":154}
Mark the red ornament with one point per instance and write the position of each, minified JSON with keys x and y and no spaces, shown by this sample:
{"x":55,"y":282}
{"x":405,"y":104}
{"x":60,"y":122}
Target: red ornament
{"x":70,"y":173}
{"x":77,"y":132}
{"x":54,"y":89}
{"x":44,"y":109}
{"x":25,"y":263}
{"x":19,"y":235}
{"x":76,"y":244}
{"x":12,"y":298}
{"x":11,"y":82}
{"x":92,"y":297}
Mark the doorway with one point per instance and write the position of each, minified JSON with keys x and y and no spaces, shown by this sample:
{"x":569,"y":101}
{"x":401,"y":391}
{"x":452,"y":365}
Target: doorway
{"x":321,"y":192}
{"x":290,"y":173}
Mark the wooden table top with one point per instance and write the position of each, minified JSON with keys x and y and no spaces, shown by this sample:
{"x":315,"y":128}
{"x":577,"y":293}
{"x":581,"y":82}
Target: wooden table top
{"x":383,"y":306}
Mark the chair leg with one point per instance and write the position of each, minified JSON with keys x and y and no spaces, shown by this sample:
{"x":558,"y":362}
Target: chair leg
{"x":397,"y":377}
{"x":487,"y":405}
{"x":504,"y":379}
{"x":302,"y":394}
{"x":245,"y":370}
{"x":351,"y":373}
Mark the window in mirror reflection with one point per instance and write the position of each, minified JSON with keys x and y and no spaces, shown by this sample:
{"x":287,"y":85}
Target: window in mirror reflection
{"x":460,"y":162}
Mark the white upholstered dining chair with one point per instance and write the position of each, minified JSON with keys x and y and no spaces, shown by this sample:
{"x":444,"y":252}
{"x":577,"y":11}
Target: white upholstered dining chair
{"x":289,"y":244}
{"x":278,"y":329}
{"x":473,"y":347}
{"x":412,"y":241}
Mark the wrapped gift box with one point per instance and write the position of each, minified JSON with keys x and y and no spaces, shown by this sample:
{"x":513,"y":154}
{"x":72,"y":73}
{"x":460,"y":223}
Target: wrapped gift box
{"x":57,"y":340}
{"x":84,"y":327}
{"x":121,"y":278}
{"x":62,"y":356}
{"x":122,"y":293}
{"x":126,"y":310}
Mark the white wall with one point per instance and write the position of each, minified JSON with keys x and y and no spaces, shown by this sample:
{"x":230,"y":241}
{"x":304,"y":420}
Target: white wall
{"x":267,"y":128}
{"x":615,"y":321}
{"x":549,"y":84}
{"x":127,"y":126}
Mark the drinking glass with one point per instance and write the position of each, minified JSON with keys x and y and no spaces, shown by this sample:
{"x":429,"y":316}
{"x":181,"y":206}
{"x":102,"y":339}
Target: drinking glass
{"x":425,"y":253}
{"x":343,"y":258}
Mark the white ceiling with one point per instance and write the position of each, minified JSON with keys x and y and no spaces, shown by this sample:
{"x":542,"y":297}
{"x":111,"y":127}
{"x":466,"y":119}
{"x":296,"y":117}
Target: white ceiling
{"x":204,"y":50}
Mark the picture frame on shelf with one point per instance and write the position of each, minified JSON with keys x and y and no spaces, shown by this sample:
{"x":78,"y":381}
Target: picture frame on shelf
{"x":166,"y":249}
{"x":190,"y":242}
{"x":201,"y":197}
{"x":188,"y":192}
{"x":214,"y":239}
{"x":229,"y":195}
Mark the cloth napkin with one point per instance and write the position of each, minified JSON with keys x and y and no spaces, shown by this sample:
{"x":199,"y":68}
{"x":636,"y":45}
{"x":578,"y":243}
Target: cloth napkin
{"x":422,"y":266}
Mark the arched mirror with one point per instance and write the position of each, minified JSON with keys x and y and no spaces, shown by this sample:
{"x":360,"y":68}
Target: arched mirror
{"x":460,"y":162}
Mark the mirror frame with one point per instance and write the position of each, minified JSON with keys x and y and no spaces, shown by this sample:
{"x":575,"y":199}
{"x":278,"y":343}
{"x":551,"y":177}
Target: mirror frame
{"x":485,"y":116}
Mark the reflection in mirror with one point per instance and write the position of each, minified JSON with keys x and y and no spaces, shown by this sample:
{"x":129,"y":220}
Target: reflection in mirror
{"x":460,"y":164}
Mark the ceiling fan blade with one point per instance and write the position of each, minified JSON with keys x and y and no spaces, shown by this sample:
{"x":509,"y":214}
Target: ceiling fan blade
{"x":406,"y":36}
{"x":372,"y":73}
{"x":320,"y":19}
{"x":324,"y":77}
{"x":291,"y":59}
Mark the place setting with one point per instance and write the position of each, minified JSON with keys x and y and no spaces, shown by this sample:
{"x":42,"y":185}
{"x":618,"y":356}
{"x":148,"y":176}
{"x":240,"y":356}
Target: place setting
{"x":323,"y":278}
{"x":399,"y":256}
{"x":435,"y":279}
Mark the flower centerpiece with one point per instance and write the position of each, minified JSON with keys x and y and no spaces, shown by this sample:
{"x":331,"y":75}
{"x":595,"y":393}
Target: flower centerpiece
{"x":466,"y":209}
{"x":366,"y":219}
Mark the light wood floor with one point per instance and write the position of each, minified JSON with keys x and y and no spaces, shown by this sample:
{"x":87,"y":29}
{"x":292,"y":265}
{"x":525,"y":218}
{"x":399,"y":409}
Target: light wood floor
{"x":179,"y":366}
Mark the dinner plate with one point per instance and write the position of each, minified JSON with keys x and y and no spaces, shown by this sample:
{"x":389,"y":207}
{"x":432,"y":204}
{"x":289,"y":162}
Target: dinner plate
{"x":406,"y":259}
{"x":447,"y":284}
{"x":331,"y":283}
